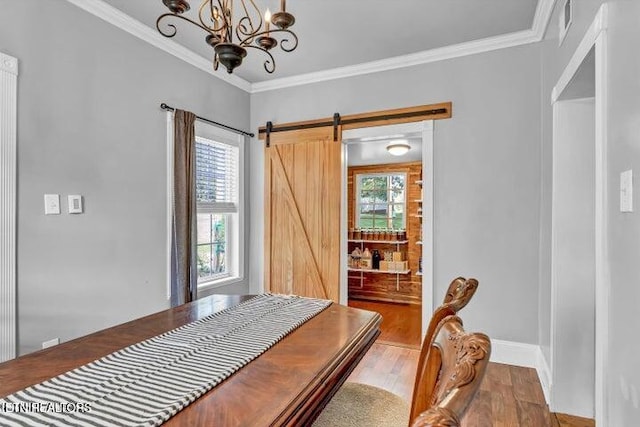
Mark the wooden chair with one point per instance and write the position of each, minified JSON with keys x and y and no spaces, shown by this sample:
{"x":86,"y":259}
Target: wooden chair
{"x":458,"y":295}
{"x":451,"y":375}
{"x":445,"y":352}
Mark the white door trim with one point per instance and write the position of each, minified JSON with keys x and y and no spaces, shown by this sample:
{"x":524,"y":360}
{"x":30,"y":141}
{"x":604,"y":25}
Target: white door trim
{"x":425,"y":128}
{"x":594,"y":37}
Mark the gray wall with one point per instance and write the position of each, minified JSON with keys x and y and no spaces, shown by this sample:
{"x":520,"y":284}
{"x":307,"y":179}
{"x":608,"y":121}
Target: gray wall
{"x":623,"y":375}
{"x":487,"y":172}
{"x":89,"y":123}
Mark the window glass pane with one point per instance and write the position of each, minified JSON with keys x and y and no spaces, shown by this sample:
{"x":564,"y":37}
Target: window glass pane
{"x":373,"y":183}
{"x":204,"y":228}
{"x":219,"y":231}
{"x":212,"y":245}
{"x":366,"y":221}
{"x":204,"y":261}
{"x":398,"y":216}
{"x":381,"y":210}
{"x":380,"y":223}
{"x":373,"y":189}
{"x":216,"y":171}
{"x":367,"y":209}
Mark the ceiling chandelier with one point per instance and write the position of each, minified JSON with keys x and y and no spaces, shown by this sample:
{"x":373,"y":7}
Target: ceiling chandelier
{"x":231,"y":31}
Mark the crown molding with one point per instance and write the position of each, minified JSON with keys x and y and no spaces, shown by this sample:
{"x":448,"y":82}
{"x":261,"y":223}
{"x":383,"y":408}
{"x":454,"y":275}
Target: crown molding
{"x":544,"y":10}
{"x":123,"y":21}
{"x":8,"y":64}
{"x":424,"y":57}
{"x":136,"y":28}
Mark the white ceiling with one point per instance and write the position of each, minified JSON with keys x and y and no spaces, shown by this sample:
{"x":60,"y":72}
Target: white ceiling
{"x":339,"y":33}
{"x":375,"y":152}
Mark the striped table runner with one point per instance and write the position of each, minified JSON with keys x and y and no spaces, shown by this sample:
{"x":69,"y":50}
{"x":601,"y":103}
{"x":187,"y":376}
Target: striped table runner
{"x":147,"y":383}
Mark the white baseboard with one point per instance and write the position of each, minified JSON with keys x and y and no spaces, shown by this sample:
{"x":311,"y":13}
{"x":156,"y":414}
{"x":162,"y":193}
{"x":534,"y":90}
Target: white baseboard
{"x":522,"y":354}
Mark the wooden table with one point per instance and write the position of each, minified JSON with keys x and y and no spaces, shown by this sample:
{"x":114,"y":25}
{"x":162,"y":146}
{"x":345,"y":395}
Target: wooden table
{"x":287,"y":385}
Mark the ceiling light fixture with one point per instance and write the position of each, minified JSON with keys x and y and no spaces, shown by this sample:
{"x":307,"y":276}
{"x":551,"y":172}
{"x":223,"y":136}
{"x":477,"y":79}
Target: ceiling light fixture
{"x":398,"y":147}
{"x":230,"y":31}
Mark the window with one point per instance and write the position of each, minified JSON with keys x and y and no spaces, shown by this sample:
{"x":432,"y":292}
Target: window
{"x":218,"y":209}
{"x":381,"y":201}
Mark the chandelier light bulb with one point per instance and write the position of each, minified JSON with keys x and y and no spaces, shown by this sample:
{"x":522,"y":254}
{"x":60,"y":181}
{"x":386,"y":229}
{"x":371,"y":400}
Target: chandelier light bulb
{"x":267,"y":20}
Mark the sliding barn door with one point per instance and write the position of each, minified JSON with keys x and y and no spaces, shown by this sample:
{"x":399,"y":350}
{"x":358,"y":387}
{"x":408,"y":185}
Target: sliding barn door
{"x":302,"y":213}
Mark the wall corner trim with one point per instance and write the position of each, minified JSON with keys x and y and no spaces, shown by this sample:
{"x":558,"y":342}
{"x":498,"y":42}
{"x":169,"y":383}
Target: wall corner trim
{"x":8,"y":64}
{"x":598,"y":25}
{"x":8,"y":205}
{"x":525,"y":355}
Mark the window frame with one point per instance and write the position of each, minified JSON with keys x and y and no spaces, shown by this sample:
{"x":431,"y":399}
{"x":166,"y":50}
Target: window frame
{"x":235,"y":233}
{"x":358,"y":192}
{"x":238,"y":246}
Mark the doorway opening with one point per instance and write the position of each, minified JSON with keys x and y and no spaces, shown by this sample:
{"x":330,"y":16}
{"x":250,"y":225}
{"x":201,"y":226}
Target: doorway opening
{"x":578,"y":285}
{"x":387,"y":227}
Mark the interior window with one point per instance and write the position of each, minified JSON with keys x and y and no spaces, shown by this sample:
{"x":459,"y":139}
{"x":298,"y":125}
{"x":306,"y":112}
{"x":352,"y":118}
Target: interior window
{"x":381,"y":201}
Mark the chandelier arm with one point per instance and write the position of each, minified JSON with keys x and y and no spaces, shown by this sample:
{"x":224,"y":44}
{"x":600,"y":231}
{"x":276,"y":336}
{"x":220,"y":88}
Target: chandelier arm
{"x":241,"y":29}
{"x":284,"y":42}
{"x":216,"y":62}
{"x":175,"y":30}
{"x":227,"y":28}
{"x":249,"y":31}
{"x":211,"y":14}
{"x":246,"y":42}
{"x":269,"y":63}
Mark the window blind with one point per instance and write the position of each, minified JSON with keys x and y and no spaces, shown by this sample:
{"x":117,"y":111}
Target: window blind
{"x":216,"y":176}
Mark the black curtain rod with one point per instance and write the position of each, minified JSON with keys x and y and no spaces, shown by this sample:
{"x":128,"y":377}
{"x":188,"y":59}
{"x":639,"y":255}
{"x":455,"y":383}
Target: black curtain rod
{"x":241,"y":132}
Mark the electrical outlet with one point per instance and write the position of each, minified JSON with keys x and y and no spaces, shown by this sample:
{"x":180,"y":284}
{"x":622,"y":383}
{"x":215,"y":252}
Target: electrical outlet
{"x":50,"y":343}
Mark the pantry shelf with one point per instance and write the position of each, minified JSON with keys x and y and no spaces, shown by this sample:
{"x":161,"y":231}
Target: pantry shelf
{"x":399,"y":242}
{"x":364,"y":270}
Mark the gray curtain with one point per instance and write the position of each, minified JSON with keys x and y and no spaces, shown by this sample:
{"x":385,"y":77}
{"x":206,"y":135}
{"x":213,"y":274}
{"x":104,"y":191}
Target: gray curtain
{"x":183,"y":257}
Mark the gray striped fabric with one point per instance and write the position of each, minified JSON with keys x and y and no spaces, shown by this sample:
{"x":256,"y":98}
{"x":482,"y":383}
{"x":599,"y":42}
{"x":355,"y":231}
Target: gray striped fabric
{"x":147,"y":383}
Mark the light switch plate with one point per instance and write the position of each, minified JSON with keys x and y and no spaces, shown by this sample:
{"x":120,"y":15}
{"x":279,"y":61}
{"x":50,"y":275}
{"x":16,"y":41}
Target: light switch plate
{"x":75,"y":204}
{"x":52,"y":204}
{"x":626,"y":191}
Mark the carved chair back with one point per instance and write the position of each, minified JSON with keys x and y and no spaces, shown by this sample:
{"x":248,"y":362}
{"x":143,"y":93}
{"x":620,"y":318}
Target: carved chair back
{"x":451,"y":375}
{"x":460,"y":292}
{"x":457,"y":297}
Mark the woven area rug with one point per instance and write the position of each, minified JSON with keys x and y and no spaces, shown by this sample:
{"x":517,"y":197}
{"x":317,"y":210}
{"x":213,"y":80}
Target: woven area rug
{"x":362,"y":405}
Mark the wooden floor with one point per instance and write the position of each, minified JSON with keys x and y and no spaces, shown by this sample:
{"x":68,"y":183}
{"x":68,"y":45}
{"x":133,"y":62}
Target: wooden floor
{"x":564,"y":420}
{"x":509,"y":395}
{"x":401,"y":323}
